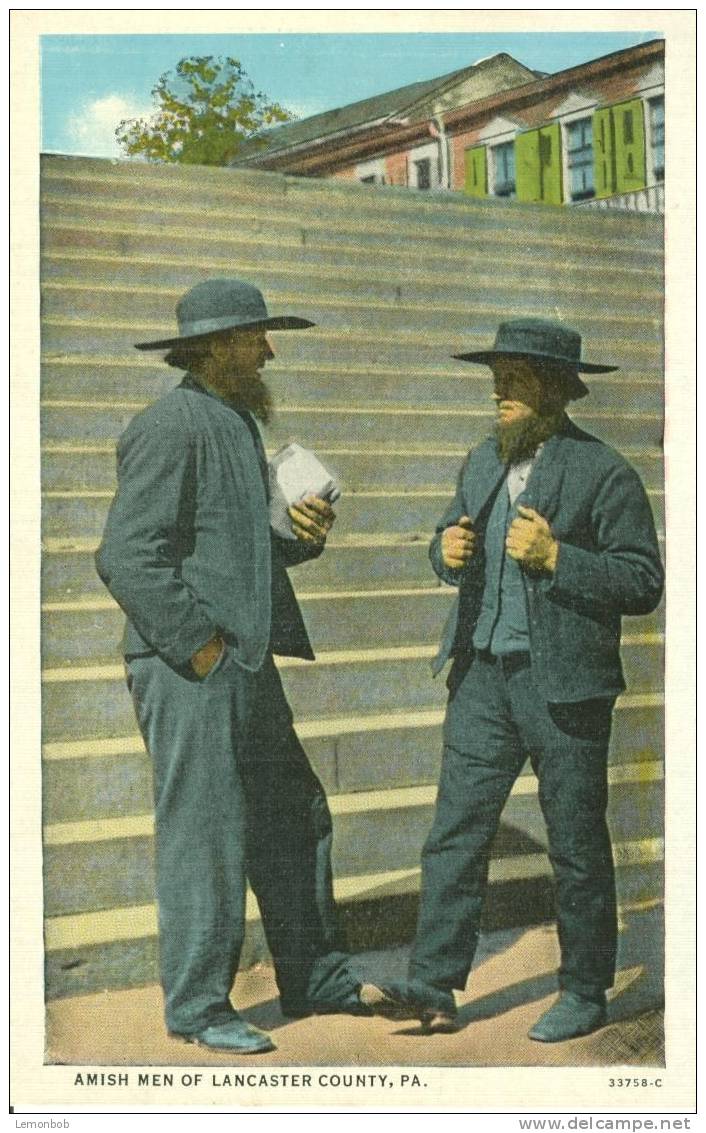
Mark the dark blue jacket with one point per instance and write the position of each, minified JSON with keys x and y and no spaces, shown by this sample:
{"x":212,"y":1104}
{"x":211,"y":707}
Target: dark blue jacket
{"x":608,"y":563}
{"x":187,"y":550}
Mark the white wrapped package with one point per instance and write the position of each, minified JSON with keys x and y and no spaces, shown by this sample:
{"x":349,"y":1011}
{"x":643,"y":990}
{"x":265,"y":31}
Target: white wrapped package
{"x":296,"y":472}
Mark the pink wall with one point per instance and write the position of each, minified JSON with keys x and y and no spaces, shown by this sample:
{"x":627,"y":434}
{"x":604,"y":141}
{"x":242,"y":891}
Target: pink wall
{"x":396,"y":168}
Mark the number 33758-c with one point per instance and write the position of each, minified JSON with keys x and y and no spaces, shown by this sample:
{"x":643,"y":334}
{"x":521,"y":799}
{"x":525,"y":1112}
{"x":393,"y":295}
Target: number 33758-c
{"x":624,"y":1082}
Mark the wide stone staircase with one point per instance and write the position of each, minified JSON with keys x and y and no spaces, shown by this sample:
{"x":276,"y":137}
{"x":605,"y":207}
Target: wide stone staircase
{"x":396,"y":282}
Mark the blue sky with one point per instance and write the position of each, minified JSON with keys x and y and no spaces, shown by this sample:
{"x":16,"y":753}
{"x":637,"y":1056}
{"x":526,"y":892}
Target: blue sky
{"x":90,"y":82}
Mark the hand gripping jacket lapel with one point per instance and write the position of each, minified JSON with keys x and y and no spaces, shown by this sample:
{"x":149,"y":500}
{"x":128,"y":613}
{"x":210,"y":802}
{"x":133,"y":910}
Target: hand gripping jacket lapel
{"x":608,"y":565}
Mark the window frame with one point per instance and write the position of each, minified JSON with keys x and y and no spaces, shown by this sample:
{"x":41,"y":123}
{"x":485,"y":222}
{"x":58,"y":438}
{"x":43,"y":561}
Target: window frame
{"x":586,"y":111}
{"x":429,"y":152}
{"x":418,"y":163}
{"x":568,"y":127}
{"x":652,"y":166}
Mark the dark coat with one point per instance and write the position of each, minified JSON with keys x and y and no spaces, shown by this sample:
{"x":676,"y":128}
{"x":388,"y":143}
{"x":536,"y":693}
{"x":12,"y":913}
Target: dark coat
{"x":187,"y":550}
{"x":608,"y":563}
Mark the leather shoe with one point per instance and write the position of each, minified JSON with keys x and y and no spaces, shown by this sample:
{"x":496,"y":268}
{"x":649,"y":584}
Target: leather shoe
{"x":570,"y":1017}
{"x":386,"y":1000}
{"x":295,"y":1008}
{"x":235,"y":1036}
{"x":438,"y":1022}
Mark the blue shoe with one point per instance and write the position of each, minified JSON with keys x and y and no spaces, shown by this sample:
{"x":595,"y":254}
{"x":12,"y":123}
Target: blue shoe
{"x":570,"y":1017}
{"x":235,"y":1036}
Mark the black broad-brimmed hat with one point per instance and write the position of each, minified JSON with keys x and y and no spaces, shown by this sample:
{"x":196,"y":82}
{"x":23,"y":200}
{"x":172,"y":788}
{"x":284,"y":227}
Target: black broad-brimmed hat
{"x":541,"y":339}
{"x":222,"y":304}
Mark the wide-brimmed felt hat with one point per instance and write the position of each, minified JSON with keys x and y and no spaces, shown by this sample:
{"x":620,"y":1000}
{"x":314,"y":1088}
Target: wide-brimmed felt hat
{"x":541,"y":339}
{"x":222,"y":304}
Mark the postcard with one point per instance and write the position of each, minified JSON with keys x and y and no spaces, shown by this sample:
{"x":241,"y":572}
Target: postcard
{"x":392,"y":812}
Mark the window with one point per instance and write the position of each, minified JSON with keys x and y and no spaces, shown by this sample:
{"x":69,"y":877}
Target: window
{"x":657,"y":136}
{"x":579,"y":150}
{"x":371,"y":172}
{"x":423,"y":171}
{"x":504,"y":169}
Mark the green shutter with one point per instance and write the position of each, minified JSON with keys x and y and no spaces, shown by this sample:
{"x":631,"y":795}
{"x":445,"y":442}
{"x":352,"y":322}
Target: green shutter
{"x":528,"y":180}
{"x":550,"y":158}
{"x":619,"y":148}
{"x":630,"y":172}
{"x":476,"y":172}
{"x":538,"y":165}
{"x":603,"y":153}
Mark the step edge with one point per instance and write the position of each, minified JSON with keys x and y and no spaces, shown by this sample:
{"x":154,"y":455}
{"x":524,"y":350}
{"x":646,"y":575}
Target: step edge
{"x":115,"y":672}
{"x":374,"y":800}
{"x":311,"y":729}
{"x":80,"y":930}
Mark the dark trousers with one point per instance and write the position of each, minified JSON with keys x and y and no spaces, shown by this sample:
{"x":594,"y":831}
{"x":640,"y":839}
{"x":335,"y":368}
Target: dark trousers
{"x":236,"y":798}
{"x":495,"y":719}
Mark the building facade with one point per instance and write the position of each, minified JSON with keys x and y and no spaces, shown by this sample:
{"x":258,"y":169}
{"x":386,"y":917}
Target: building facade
{"x":592,"y":135}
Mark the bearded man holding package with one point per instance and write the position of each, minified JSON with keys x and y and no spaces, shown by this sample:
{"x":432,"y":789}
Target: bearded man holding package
{"x":190,"y":555}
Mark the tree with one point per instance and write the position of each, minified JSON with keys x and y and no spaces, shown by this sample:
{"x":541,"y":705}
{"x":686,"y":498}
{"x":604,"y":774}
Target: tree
{"x":205,"y":109}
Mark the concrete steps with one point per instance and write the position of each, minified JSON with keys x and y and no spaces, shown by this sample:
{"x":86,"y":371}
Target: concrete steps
{"x":99,"y":778}
{"x":326,"y":427}
{"x":349,"y":341}
{"x":397,"y":283}
{"x":455,"y":385}
{"x":126,"y":188}
{"x":382,"y":560}
{"x":397,"y":512}
{"x":125,"y":297}
{"x":385,"y":282}
{"x":88,"y":629}
{"x":369,"y":831}
{"x":86,"y":701}
{"x":308,"y":250}
{"x":409,"y":335}
{"x":263,"y":205}
{"x":94,"y":179}
{"x":70,"y":464}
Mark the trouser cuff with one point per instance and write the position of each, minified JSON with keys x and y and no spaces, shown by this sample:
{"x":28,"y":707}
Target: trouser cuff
{"x":593,"y":991}
{"x":435,"y":998}
{"x":192,"y":1027}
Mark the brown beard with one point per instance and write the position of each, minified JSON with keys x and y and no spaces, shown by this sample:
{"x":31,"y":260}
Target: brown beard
{"x":249,"y":393}
{"x":519,"y":440}
{"x":254,"y":395}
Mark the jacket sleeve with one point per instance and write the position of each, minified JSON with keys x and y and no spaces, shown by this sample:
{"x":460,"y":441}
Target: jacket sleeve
{"x":451,"y":516}
{"x":143,"y":543}
{"x":622,"y":573}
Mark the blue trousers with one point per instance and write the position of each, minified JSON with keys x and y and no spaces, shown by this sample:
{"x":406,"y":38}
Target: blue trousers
{"x":236,"y":799}
{"x":496,"y":717}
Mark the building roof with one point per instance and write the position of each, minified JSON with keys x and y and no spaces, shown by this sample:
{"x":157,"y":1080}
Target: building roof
{"x":317,"y":145}
{"x":374,"y":110}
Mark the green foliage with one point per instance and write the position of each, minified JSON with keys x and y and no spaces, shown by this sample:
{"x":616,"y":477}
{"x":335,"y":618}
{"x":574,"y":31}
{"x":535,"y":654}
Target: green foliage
{"x":205,"y":109}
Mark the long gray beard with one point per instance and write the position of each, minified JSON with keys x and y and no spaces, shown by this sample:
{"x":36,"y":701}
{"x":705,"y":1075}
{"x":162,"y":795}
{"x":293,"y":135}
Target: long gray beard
{"x":520,"y":439}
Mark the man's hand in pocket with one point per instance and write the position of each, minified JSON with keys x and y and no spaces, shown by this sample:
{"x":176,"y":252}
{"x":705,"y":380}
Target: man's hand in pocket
{"x":208,"y":655}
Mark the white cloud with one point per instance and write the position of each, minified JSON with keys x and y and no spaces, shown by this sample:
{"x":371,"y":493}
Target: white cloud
{"x":92,"y":127}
